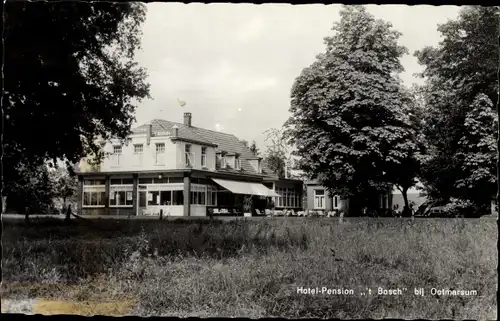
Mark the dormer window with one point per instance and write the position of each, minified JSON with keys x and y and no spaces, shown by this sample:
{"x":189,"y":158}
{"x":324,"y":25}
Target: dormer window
{"x":237,"y":163}
{"x":218,"y":160}
{"x":203,"y":157}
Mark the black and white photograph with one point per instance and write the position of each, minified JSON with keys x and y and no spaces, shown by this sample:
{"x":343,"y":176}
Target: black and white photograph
{"x":167,"y":159}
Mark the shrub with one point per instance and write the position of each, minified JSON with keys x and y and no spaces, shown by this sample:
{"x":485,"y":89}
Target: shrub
{"x":459,"y":207}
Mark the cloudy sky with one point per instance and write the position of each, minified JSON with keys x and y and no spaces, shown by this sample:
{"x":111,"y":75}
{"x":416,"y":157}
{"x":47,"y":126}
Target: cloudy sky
{"x":234,"y":64}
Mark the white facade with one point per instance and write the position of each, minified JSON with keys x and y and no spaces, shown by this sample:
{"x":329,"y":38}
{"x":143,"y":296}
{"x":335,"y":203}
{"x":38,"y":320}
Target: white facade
{"x":160,"y":153}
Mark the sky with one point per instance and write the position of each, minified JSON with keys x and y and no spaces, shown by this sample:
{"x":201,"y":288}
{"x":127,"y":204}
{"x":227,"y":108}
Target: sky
{"x":234,"y":64}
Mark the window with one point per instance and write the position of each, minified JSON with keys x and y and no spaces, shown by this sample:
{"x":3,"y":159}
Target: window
{"x":166,"y":197}
{"x":160,"y":154}
{"x":335,"y":202}
{"x":211,"y":196}
{"x":218,"y":160}
{"x":93,"y":182}
{"x":120,"y":198}
{"x":117,"y":151}
{"x":177,"y":197}
{"x":203,"y":157}
{"x":138,"y":151}
{"x":237,"y":163}
{"x":121,"y":195}
{"x":319,"y":199}
{"x":189,"y":159}
{"x":198,"y":198}
{"x":288,"y":197}
{"x":223,"y":162}
{"x":153,"y":198}
{"x":177,"y":180}
{"x":126,"y":181}
{"x":121,"y":181}
{"x":279,"y":202}
{"x":94,"y":196}
{"x":145,"y":180}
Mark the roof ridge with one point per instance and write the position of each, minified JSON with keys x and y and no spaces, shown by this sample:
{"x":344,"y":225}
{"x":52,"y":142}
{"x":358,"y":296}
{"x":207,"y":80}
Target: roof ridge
{"x":161,"y":125}
{"x":177,"y":123}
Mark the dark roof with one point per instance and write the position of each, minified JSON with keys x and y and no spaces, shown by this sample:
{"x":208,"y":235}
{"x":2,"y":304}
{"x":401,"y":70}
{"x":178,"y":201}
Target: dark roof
{"x":184,"y":132}
{"x":225,"y":142}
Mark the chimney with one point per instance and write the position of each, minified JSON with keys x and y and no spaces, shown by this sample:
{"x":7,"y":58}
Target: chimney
{"x":175,"y":131}
{"x":187,"y":119}
{"x":149,"y":134}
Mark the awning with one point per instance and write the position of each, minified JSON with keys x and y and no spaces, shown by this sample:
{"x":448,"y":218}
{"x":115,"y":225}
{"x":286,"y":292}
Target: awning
{"x":246,"y":188}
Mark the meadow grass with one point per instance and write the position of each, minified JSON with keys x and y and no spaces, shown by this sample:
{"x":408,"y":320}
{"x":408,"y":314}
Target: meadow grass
{"x":252,"y":268}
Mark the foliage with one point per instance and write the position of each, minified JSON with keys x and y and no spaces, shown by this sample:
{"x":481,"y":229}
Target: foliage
{"x":459,"y":123}
{"x":69,"y":77}
{"x":254,"y":149}
{"x":32,"y":189}
{"x":65,"y":184}
{"x":351,"y":123}
{"x":247,"y":204}
{"x":277,"y":156}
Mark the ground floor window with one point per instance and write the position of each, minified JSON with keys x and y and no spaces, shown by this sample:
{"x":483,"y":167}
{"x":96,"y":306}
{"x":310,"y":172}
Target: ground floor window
{"x":288,"y":197}
{"x":121,"y":195}
{"x":198,"y":194}
{"x":154,"y":198}
{"x":319,"y":199}
{"x":211,"y":196}
{"x":94,"y":196}
{"x":198,"y":198}
{"x":177,"y":197}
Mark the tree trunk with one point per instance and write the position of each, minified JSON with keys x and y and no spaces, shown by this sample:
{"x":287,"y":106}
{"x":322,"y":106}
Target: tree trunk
{"x":404,"y":192}
{"x":64,"y":203}
{"x":68,"y":214}
{"x":406,"y":209}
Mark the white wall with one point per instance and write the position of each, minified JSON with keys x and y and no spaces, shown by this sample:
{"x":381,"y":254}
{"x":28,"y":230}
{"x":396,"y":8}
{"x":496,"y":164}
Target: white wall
{"x":128,"y":160}
{"x":174,"y":155}
{"x":196,"y":151}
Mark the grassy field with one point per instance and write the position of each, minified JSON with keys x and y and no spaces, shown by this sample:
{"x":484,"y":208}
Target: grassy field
{"x":252,"y":268}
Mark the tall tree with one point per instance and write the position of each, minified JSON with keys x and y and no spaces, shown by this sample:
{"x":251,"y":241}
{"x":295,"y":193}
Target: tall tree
{"x":253,"y":148}
{"x":277,"y":155}
{"x":69,"y":77}
{"x":348,"y":124}
{"x":65,"y":185}
{"x":32,"y":191}
{"x":459,"y":93}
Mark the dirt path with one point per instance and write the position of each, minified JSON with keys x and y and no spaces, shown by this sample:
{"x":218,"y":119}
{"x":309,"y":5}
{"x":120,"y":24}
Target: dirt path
{"x":18,"y":306}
